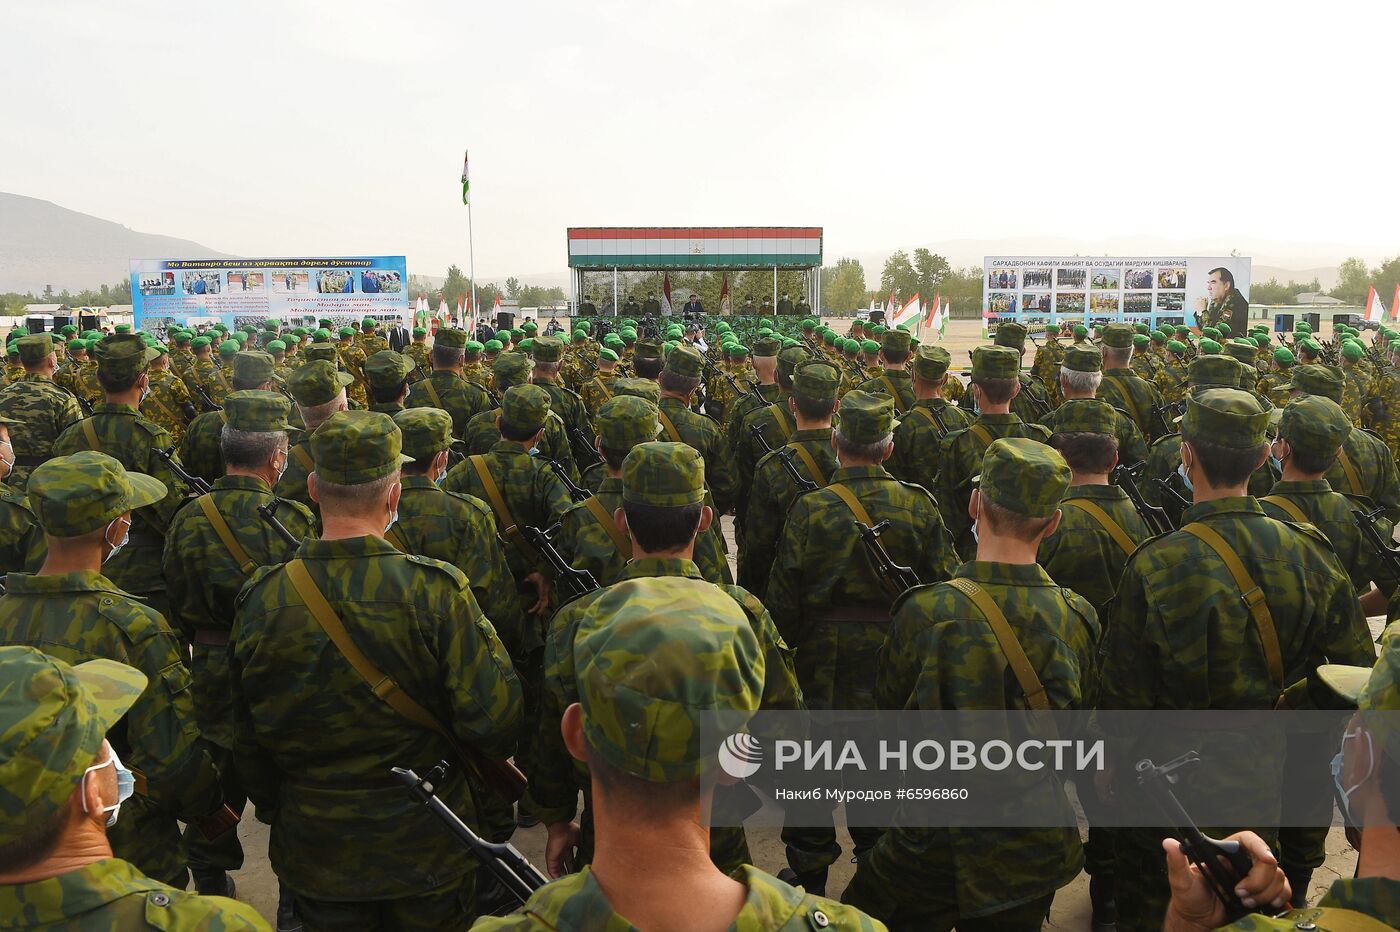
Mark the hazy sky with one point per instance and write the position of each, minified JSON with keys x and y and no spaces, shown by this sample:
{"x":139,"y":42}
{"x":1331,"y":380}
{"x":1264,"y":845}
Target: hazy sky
{"x":337,"y":128}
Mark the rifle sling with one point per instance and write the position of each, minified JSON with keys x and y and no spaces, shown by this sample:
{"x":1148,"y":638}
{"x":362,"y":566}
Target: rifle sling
{"x":894,"y":393}
{"x":1016,"y":658}
{"x":785,"y":426}
{"x":509,"y":528}
{"x":432,"y":393}
{"x":1353,"y":479}
{"x":863,"y":516}
{"x":90,"y":433}
{"x":1105,"y":520}
{"x":1293,"y":510}
{"x":621,"y":541}
{"x":928,"y":416}
{"x":379,"y":682}
{"x":982,"y":434}
{"x":393,"y":537}
{"x":670,"y":427}
{"x":1117,"y":382}
{"x":1251,"y":595}
{"x":304,"y":458}
{"x":221,"y":528}
{"x":810,"y":462}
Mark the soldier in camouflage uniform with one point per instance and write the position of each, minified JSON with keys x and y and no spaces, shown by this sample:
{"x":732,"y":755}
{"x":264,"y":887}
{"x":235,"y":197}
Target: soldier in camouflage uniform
{"x":663,"y":489}
{"x":829,"y":600}
{"x":22,"y":547}
{"x":1144,"y":363}
{"x":1183,"y":637}
{"x":809,"y":449}
{"x":1079,"y":378}
{"x":181,"y":356}
{"x":1046,"y":365}
{"x":590,"y":538}
{"x":371,"y":341}
{"x":59,"y":870}
{"x":1383,"y":402}
{"x":74,"y":612}
{"x":548,"y":352}
{"x":766,"y":391}
{"x":352,"y":358}
{"x":1244,"y":351}
{"x":420,"y":353}
{"x":118,"y":429}
{"x":773,"y":421}
{"x":995,"y":383}
{"x":386,"y":376}
{"x":86,"y":385}
{"x":1270,"y":385}
{"x":200,"y":452}
{"x":318,"y":388}
{"x":168,"y":403}
{"x":1122,"y":387}
{"x":894,"y":379}
{"x":483,"y":432}
{"x":313,"y":760}
{"x":218,"y":382}
{"x":678,"y":380}
{"x":1031,"y":402}
{"x":597,"y":389}
{"x":66,"y":375}
{"x":214,"y":545}
{"x":476,"y":370}
{"x":447,"y":388}
{"x":200,"y":372}
{"x":38,"y":410}
{"x":1356,"y":384}
{"x":716,"y":665}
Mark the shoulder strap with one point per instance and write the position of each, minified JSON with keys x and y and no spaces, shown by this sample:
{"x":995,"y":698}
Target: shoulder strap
{"x":894,"y":393}
{"x":380,"y":683}
{"x":810,"y":462}
{"x":603,"y":387}
{"x":853,"y":503}
{"x":304,"y":457}
{"x":1114,"y":529}
{"x":928,"y":416}
{"x":393,"y":537}
{"x":90,"y":433}
{"x":1006,"y":638}
{"x":780,"y":415}
{"x":1117,"y":382}
{"x":503,"y":516}
{"x":671,"y":431}
{"x":982,"y":434}
{"x":1293,"y":510}
{"x":432,"y":392}
{"x":621,"y":541}
{"x":1353,"y":479}
{"x":221,"y":528}
{"x":1251,"y":594}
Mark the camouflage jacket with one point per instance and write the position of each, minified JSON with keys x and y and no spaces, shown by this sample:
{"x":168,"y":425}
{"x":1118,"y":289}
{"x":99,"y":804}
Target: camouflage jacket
{"x":1377,"y":897}
{"x":532,"y":493}
{"x":595,"y":391}
{"x":113,"y":894}
{"x":1134,"y":396}
{"x":1372,"y":473}
{"x":477,"y":374}
{"x":1182,"y":636}
{"x":960,"y":458}
{"x":1082,"y":554}
{"x":1356,"y":388}
{"x":1164,"y":456}
{"x":168,"y":403}
{"x":481,"y":436}
{"x":370,"y":343}
{"x":45,"y":410}
{"x":1171,"y":380}
{"x":1132,"y":448}
{"x":421,"y":355}
{"x":202,"y":579}
{"x":86,"y":384}
{"x":313,"y":741}
{"x":216,"y":380}
{"x":292,"y":485}
{"x":702,"y":433}
{"x":735,"y":414}
{"x":571,"y":409}
{"x":578,"y":902}
{"x":460,"y":530}
{"x":1031,"y":403}
{"x":181,"y":360}
{"x":22,"y":544}
{"x":452,"y":393}
{"x":827,"y":598}
{"x":942,"y":655}
{"x":1335,"y":516}
{"x":558,"y":777}
{"x":82,"y":616}
{"x":917,"y":439}
{"x":201,"y":452}
{"x":587,"y":544}
{"x":1046,"y":367}
{"x":770,"y":498}
{"x":902,"y":383}
{"x":777,"y":423}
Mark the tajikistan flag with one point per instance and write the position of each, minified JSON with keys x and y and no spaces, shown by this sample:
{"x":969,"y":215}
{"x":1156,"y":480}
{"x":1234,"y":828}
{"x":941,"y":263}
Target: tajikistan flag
{"x":1375,"y":310}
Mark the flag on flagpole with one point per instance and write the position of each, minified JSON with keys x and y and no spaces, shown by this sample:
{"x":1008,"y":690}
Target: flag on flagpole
{"x":1395,"y":304}
{"x":1375,"y":310}
{"x":461,"y":309}
{"x":890,"y":307}
{"x":943,"y":318}
{"x":666,"y":295}
{"x":931,"y":315}
{"x":466,"y":194}
{"x":724,"y":296}
{"x":910,"y":311}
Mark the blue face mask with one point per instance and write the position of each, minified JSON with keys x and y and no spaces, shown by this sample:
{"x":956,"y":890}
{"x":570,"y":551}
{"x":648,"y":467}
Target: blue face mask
{"x":1181,"y":471}
{"x":534,"y":451}
{"x":1342,"y":793}
{"x":126,"y":785}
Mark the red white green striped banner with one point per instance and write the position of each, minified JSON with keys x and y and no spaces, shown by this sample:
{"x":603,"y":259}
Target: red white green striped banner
{"x":695,"y":247}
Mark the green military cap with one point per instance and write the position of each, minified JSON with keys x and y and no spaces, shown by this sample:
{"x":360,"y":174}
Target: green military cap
{"x":517,"y":334}
{"x":869,"y":346}
{"x":1052,"y":330}
{"x":1244,"y":352}
{"x":1082,"y":357}
{"x":386,"y":369}
{"x":609,"y":355}
{"x":627,"y":323}
{"x":75,"y":495}
{"x":674,"y":333}
{"x":317,"y":381}
{"x":1176,"y":346}
{"x":866,"y":417}
{"x":638,"y":388}
{"x":530,"y":326}
{"x":765,"y":322}
{"x":123,"y":355}
{"x":1226,"y":417}
{"x":1213,"y":370}
{"x":1284,"y":356}
{"x":1080,"y":330}
{"x":196,"y":343}
{"x":248,"y":329}
{"x":1314,"y":426}
{"x":1211,"y":332}
{"x":1141,"y":328}
{"x":1224,"y":328}
{"x":878,"y":329}
{"x":1209,"y":346}
{"x":685,"y":361}
{"x":1182,"y":330}
{"x":931,"y":363}
{"x":270,"y":324}
{"x":1326,"y":381}
{"x":35,"y":347}
{"x":325,"y":351}
{"x":1350,"y":349}
{"x":736,"y":350}
{"x":493,"y":346}
{"x":1141,"y":340}
{"x":816,"y":380}
{"x":68,"y":330}
{"x":995,"y":362}
{"x":347,"y":333}
{"x":181,"y":337}
{"x":420,"y":332}
{"x":53,"y":720}
{"x":321,"y":336}
{"x":665,"y":474}
{"x":829,"y":338}
{"x":426,"y":432}
{"x":512,"y":368}
{"x":897,"y":341}
{"x":625,"y":421}
{"x":369,"y":323}
{"x":1024,"y":476}
{"x":524,"y":407}
{"x":122,"y":328}
{"x":1086,"y":415}
{"x":646,"y":349}
{"x":92,"y":334}
{"x":239,"y":337}
{"x":766,"y":346}
{"x":645,"y":686}
{"x":790,"y":356}
{"x":356,"y":447}
{"x":1312,"y":347}
{"x":585,"y":326}
{"x":548,"y":349}
{"x":614,"y":341}
{"x":1262,"y":341}
{"x":1118,"y":336}
{"x":276,"y":346}
{"x":1158,"y":336}
{"x":628,"y":334}
{"x":808,"y":324}
{"x":75,"y":345}
{"x":267,"y":336}
{"x":163,"y":350}
{"x":291,"y":339}
{"x":229,"y":348}
{"x":527,"y":346}
{"x":579,"y":336}
{"x":325,"y":322}
{"x":1304,"y":326}
{"x":473,"y":347}
{"x":253,"y":366}
{"x":256,"y":411}
{"x":1010,"y":334}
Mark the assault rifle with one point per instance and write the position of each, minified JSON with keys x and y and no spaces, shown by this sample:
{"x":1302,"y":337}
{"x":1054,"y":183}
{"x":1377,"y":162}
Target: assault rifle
{"x":268,"y":513}
{"x":1166,"y":413}
{"x":574,"y":582}
{"x":1172,"y":502}
{"x":576,"y":493}
{"x":511,"y":868}
{"x":581,"y":441}
{"x":1125,"y":477}
{"x":734,"y":384}
{"x":184,"y":475}
{"x":785,"y":455}
{"x":897,"y":578}
{"x":1223,"y":864}
{"x":1042,"y":407}
{"x":84,"y":404}
{"x":208,"y":399}
{"x":1366,"y":520}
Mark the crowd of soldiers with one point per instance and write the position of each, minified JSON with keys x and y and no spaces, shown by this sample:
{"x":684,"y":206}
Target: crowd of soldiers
{"x":268,"y":566}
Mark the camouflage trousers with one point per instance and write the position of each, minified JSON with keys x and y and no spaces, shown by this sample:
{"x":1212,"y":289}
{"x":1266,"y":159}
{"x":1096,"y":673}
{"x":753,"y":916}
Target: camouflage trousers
{"x":224,"y":853}
{"x":147,"y":835}
{"x":449,"y":907}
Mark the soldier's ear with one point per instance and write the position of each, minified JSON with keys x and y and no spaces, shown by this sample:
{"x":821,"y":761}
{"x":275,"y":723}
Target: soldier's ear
{"x":571,"y":728}
{"x":973,"y":501}
{"x":1051,"y":525}
{"x":707,"y":517}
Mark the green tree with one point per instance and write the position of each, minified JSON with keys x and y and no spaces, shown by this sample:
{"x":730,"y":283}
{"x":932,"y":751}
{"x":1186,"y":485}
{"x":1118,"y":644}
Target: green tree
{"x":513,"y":288}
{"x":962,"y":289}
{"x":899,"y":276}
{"x":931,"y":269}
{"x":1353,"y":281}
{"x":455,"y":288}
{"x":1275,"y":293}
{"x":843,"y":286}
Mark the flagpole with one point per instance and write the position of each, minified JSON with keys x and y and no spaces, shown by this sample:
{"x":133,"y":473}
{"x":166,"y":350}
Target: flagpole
{"x":471,"y":243}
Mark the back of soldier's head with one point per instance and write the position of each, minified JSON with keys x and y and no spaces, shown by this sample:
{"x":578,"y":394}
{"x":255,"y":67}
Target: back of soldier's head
{"x":1020,"y":487}
{"x":663,"y":495}
{"x":357,"y":455}
{"x":1225,"y":429}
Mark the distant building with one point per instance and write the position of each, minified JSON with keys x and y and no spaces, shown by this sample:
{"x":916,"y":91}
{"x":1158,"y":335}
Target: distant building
{"x":1318,"y":299}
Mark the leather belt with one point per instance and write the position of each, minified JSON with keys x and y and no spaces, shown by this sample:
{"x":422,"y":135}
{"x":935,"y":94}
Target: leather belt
{"x":858,"y":614}
{"x":210,"y":637}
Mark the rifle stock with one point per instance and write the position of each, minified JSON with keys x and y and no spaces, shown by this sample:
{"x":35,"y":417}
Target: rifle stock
{"x":897,"y":578}
{"x":575,"y":582}
{"x":785,"y":457}
{"x":193,"y":481}
{"x":1125,"y":477}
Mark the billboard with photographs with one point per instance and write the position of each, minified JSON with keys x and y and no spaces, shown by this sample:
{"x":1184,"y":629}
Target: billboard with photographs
{"x":250,"y":291}
{"x":1154,"y":290}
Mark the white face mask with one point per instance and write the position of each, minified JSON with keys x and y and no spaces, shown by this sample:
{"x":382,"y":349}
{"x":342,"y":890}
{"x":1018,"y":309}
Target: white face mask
{"x":9,"y":461}
{"x":1181,"y":471}
{"x":126,"y":784}
{"x":118,"y":545}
